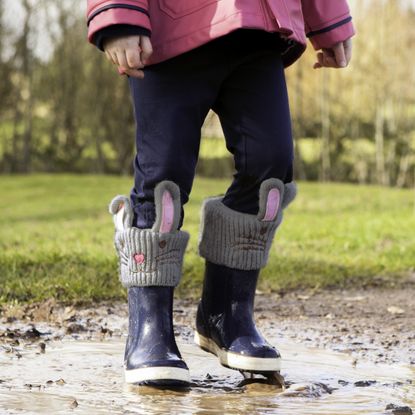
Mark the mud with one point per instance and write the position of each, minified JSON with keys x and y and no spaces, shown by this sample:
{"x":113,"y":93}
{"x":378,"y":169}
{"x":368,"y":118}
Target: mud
{"x":343,"y":351}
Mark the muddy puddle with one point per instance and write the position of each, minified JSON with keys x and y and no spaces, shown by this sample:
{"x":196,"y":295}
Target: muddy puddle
{"x":86,"y":377}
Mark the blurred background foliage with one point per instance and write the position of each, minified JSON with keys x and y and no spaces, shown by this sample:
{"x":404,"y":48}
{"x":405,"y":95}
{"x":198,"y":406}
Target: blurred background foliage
{"x":63,"y":108}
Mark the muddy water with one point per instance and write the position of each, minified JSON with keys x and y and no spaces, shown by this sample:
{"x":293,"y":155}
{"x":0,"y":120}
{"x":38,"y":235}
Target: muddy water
{"x":85,"y":377}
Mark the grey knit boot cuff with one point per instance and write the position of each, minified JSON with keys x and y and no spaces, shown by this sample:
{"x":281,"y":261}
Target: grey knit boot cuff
{"x":240,"y":240}
{"x":149,"y":257}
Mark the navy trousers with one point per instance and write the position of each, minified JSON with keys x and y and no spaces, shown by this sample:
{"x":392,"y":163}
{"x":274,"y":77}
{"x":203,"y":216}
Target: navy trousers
{"x":241,"y":77}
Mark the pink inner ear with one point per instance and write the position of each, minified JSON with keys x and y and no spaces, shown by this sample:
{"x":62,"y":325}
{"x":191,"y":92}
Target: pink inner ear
{"x":167,"y":212}
{"x":273,"y":202}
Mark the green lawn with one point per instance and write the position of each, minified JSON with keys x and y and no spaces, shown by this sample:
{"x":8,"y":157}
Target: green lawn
{"x":56,"y":237}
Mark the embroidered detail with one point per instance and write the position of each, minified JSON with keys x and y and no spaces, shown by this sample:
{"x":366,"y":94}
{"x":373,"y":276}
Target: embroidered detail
{"x":139,"y":258}
{"x":162,"y":244}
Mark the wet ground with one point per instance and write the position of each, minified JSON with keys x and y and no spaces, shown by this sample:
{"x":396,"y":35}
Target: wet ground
{"x":344,"y":352}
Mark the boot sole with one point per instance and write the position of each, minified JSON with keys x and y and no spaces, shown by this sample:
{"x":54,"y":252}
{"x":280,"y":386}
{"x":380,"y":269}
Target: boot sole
{"x":238,"y":361}
{"x":158,"y":375}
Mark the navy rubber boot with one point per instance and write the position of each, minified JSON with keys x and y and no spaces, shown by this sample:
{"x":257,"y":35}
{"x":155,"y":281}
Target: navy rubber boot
{"x":225,"y":323}
{"x":151,"y":354}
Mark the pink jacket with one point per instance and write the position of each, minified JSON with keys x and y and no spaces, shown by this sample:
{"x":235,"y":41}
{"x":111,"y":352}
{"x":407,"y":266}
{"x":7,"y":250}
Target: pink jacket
{"x":178,"y":26}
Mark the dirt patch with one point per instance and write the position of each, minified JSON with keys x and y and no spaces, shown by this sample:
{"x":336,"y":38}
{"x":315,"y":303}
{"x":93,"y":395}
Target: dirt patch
{"x":374,"y":324}
{"x":79,"y":349}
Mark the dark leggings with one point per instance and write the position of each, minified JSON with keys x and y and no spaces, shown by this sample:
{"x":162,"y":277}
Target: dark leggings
{"x":241,"y":77}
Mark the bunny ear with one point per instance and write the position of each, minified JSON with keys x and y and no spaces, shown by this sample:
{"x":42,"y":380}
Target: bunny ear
{"x":271,"y":195}
{"x":289,"y":194}
{"x":122,"y":212}
{"x":168,"y":207}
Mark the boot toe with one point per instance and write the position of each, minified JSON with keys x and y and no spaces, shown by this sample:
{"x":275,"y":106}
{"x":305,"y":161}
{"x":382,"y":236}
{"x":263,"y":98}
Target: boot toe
{"x":132,"y":364}
{"x":247,"y":346}
{"x":161,"y":372}
{"x":156,"y":366}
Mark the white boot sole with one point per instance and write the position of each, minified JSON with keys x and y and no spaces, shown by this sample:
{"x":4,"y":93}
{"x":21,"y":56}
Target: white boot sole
{"x":157,"y":373}
{"x":236,"y":360}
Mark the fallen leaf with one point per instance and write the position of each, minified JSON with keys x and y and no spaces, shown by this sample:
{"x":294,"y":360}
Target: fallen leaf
{"x":395,"y":310}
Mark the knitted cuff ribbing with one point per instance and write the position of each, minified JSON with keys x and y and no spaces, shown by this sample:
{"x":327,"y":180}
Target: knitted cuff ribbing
{"x":150,"y":257}
{"x":240,"y":240}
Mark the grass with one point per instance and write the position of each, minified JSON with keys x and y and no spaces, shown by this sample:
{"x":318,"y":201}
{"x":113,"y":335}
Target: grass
{"x":56,"y":237}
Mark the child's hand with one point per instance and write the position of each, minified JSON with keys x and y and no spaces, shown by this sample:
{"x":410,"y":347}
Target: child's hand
{"x":129,"y":53}
{"x":336,"y":57}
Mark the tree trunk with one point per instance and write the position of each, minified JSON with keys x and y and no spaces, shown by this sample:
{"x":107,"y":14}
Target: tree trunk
{"x":380,"y":145}
{"x":299,"y":170}
{"x":325,"y":127}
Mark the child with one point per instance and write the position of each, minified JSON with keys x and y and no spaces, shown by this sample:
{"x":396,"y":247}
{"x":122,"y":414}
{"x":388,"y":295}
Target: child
{"x":229,"y":56}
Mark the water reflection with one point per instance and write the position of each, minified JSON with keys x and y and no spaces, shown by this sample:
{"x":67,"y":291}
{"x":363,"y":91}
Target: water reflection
{"x":93,"y":384}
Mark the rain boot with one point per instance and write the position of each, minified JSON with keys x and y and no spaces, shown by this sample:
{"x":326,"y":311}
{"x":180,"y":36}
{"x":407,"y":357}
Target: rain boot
{"x":151,"y":353}
{"x":236,"y":246}
{"x":225,"y":322}
{"x":150,"y":266}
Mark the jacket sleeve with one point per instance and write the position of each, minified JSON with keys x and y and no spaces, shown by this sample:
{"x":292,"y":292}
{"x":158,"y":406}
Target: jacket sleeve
{"x":117,"y":30}
{"x":327,"y":22}
{"x":101,"y":14}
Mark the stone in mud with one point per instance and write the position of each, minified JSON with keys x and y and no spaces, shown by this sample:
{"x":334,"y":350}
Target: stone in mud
{"x":399,"y":410}
{"x":75,"y":328}
{"x":32,"y":333}
{"x":260,"y":385}
{"x":73,"y":404}
{"x":42,"y":311}
{"x":10,"y":334}
{"x":32,"y":385}
{"x":312,"y":390}
{"x":106,"y":330}
{"x":364,"y":383}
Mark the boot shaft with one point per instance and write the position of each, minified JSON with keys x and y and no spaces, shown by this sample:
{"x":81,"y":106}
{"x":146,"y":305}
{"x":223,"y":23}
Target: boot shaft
{"x":150,"y":308}
{"x":228,"y":290}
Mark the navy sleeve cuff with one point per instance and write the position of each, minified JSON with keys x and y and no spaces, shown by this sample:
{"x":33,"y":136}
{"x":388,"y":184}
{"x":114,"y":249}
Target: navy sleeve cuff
{"x":118,"y":30}
{"x":328,"y":28}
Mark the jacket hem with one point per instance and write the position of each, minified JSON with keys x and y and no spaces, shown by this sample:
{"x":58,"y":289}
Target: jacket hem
{"x":223,"y":27}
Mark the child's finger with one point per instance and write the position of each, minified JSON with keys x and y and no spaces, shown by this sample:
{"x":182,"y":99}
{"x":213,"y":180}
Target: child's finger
{"x":320,"y":60}
{"x":122,"y":59}
{"x":135,"y":73}
{"x":319,"y":63}
{"x":340,"y":55}
{"x":147,"y":49}
{"x":133,"y":58}
{"x":108,"y":55}
{"x":348,"y":49}
{"x":114,"y":58}
{"x":329,"y":61}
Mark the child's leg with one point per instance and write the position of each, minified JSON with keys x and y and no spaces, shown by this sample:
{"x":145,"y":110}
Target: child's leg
{"x":238,"y":229}
{"x":255,"y":117}
{"x":171,"y":104}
